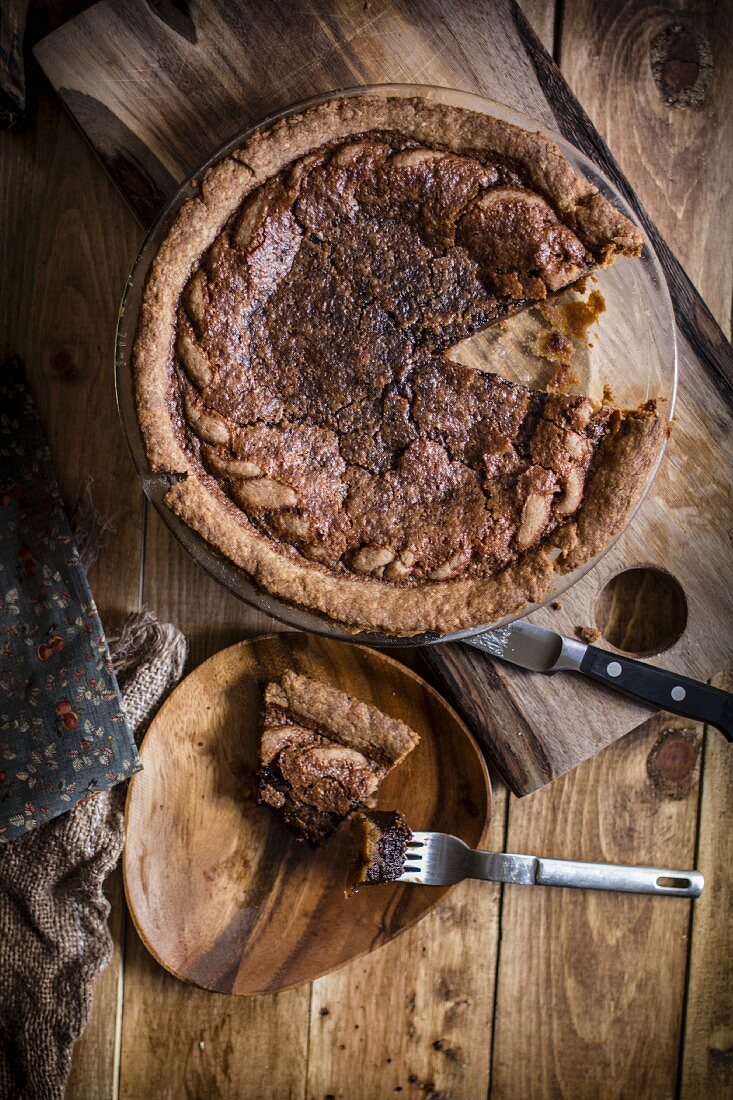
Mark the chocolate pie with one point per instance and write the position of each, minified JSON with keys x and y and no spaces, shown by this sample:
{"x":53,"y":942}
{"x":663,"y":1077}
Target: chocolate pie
{"x":323,"y":753}
{"x":379,"y":848}
{"x":292,"y":375}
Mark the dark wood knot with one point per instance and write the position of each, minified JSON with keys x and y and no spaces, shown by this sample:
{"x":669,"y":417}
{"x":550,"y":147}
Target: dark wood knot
{"x":63,"y":367}
{"x":671,"y":763}
{"x":453,"y":1054}
{"x":682,"y":63}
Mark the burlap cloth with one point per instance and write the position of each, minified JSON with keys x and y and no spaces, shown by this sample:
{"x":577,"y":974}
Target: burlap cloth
{"x":54,"y":938}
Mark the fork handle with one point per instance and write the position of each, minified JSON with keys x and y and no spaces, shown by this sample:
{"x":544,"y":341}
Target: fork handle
{"x":615,"y":876}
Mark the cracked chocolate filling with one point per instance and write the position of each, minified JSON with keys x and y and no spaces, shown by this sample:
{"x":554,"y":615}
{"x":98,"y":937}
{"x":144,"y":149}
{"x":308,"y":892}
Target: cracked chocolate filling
{"x":310,"y":363}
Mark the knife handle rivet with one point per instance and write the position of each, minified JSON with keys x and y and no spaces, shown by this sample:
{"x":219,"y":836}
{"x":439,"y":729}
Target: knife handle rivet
{"x":678,"y":693}
{"x":613,"y":669}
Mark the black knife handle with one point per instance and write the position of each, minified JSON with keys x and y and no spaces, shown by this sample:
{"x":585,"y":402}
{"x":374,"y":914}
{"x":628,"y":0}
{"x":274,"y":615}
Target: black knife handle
{"x":660,"y":688}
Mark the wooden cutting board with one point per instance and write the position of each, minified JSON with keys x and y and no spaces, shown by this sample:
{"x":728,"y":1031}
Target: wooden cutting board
{"x":157,"y":86}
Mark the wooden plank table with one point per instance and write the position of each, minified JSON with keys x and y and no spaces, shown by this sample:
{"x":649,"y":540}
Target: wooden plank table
{"x":502,"y":992}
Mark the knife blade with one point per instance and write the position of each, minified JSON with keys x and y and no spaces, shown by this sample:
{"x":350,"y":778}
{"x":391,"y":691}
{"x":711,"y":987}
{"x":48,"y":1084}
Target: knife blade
{"x":531,"y":647}
{"x":540,"y":650}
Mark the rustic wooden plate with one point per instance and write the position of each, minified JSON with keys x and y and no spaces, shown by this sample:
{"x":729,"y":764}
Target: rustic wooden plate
{"x":222,"y":894}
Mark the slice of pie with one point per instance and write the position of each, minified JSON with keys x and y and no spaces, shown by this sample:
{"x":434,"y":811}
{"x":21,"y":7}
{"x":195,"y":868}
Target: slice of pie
{"x":291,"y":366}
{"x":379,"y":848}
{"x":323,"y":753}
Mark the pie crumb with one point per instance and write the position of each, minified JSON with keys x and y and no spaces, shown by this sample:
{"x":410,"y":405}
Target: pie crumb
{"x":562,"y":379}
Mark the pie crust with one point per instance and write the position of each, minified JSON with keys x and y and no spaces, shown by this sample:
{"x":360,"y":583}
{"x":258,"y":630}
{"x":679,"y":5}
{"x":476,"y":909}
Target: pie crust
{"x":291,"y":373}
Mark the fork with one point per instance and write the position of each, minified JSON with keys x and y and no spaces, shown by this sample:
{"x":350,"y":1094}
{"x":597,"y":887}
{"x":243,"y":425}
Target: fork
{"x":437,"y":859}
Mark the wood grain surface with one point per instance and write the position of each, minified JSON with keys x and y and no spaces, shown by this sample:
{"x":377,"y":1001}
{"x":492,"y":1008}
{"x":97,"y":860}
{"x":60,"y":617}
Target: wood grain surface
{"x":65,"y":240}
{"x":607,"y":973}
{"x":642,"y":794}
{"x":155,"y":94}
{"x":673,"y":83}
{"x":707,"y":1050}
{"x":222,"y":893}
{"x":65,"y":237}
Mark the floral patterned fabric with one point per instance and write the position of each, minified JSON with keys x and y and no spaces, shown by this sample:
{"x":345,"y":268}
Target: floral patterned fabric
{"x":63,"y":732}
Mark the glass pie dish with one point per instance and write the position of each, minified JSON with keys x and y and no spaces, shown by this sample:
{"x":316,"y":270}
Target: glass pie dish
{"x":629,"y":351}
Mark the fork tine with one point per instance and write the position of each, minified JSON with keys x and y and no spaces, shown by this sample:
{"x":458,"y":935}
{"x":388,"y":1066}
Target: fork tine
{"x":433,"y":859}
{"x":413,"y":865}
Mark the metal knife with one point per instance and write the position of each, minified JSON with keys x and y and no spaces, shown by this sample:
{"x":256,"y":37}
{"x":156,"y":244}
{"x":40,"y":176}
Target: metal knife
{"x":540,"y":650}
